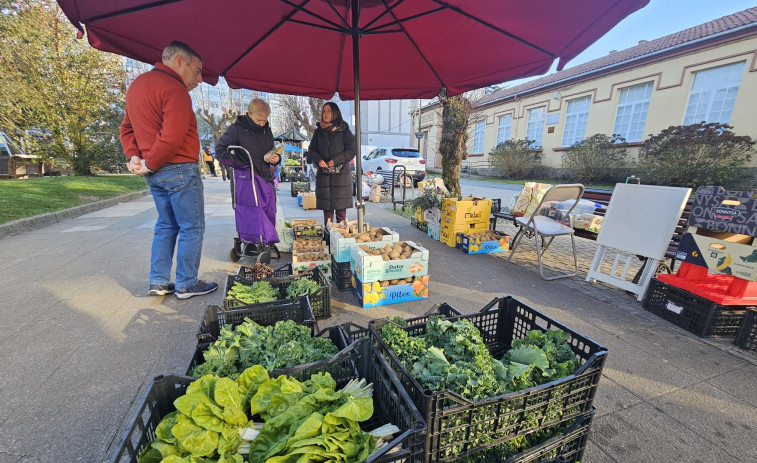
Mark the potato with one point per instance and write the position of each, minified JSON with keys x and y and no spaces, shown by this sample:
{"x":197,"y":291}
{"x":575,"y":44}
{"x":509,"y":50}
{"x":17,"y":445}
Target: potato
{"x":393,"y":282}
{"x":384,"y":283}
{"x":385,"y":257}
{"x":394,"y":255}
{"x":364,"y":236}
{"x":376,"y":252}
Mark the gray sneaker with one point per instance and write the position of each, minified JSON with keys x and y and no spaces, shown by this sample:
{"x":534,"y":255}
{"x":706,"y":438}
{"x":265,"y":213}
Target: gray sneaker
{"x":161,"y":290}
{"x":197,"y":289}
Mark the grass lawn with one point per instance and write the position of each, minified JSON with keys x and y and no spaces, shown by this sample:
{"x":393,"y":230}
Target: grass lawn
{"x":21,"y":198}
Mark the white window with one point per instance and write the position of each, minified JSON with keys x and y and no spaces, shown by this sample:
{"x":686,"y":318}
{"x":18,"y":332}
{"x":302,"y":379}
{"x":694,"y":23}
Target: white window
{"x":631,"y":115}
{"x":713,"y":94}
{"x":575,"y":121}
{"x":503,"y":129}
{"x":478,"y":137}
{"x":535,"y":126}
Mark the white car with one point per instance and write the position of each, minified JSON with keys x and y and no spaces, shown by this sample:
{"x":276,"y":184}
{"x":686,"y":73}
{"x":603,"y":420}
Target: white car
{"x":383,"y":161}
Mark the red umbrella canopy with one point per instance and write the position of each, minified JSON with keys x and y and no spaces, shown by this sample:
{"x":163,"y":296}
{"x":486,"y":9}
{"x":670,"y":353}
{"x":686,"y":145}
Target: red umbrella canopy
{"x":407,"y":48}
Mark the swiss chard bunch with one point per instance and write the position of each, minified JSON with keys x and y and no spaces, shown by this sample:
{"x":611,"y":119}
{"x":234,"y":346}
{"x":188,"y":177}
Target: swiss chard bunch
{"x":258,"y":292}
{"x":286,"y":344}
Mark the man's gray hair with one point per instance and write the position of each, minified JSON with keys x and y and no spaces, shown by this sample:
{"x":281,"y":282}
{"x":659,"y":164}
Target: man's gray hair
{"x":176,"y":47}
{"x":258,"y":106}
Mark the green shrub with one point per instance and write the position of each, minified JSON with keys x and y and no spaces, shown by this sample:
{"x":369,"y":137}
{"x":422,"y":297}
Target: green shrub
{"x":516,"y":159}
{"x":694,"y":155}
{"x":596,"y":158}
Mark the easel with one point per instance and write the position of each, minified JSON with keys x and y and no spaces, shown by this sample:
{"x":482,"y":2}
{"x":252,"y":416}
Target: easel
{"x":640,"y":221}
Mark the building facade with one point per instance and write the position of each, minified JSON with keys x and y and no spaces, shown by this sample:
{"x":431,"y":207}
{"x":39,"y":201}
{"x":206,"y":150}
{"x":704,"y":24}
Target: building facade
{"x":705,"y":73}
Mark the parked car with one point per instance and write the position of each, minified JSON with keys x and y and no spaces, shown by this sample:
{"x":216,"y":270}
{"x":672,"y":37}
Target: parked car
{"x":383,"y":160}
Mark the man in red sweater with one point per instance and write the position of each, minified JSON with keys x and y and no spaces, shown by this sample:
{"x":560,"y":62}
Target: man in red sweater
{"x":159,"y":135}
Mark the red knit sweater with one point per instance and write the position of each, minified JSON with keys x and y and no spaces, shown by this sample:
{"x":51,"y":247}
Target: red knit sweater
{"x":160,"y":126}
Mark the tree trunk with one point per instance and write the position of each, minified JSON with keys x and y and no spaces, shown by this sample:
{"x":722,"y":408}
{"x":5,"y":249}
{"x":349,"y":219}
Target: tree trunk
{"x":455,"y":113}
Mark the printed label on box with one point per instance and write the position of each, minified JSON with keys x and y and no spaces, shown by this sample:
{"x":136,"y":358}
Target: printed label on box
{"x":466,"y":210}
{"x":374,"y":294}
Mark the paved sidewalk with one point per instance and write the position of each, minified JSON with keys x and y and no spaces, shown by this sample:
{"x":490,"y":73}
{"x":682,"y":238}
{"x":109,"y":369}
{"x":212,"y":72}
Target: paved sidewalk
{"x":81,"y":340}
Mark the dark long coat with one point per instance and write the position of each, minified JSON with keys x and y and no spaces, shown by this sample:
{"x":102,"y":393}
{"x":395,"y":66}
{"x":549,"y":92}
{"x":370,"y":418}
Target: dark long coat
{"x":333,"y":191}
{"x":256,"y":139}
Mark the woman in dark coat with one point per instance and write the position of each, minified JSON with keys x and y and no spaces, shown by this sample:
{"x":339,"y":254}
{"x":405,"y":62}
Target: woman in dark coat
{"x":331,"y":150}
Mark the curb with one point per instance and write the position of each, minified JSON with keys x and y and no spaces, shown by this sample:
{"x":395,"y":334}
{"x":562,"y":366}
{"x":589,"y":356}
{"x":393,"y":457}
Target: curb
{"x":44,"y":220}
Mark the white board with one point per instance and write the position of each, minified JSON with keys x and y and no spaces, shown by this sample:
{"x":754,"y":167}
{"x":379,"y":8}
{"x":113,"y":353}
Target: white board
{"x":641,"y":219}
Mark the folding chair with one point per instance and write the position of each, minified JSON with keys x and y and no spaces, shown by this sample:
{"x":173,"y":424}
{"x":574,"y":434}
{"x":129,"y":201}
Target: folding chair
{"x":541,"y":226}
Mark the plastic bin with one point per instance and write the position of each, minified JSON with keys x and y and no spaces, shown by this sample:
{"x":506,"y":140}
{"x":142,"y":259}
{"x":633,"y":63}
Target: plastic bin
{"x":266,"y":314}
{"x":568,"y":447}
{"x":693,"y":313}
{"x":341,"y":274}
{"x":320,"y":301}
{"x":459,"y":427}
{"x":360,"y":360}
{"x":354,"y":331}
{"x":283,"y":271}
{"x":746,"y":336}
{"x":336,"y":333}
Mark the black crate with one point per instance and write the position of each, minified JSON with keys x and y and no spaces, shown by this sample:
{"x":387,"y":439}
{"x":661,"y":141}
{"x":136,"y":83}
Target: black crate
{"x":336,"y":333}
{"x":746,"y":336}
{"x":341,"y":273}
{"x":267,"y":314}
{"x":354,"y":331}
{"x":308,"y":232}
{"x":391,"y":404}
{"x":320,"y":301}
{"x":299,"y":187}
{"x":283,"y":271}
{"x":496,"y":207}
{"x":693,"y":313}
{"x":459,"y":427}
{"x":568,"y":447}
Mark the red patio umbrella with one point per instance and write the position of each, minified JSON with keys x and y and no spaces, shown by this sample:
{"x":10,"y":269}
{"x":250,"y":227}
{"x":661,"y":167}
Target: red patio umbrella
{"x":406,"y":48}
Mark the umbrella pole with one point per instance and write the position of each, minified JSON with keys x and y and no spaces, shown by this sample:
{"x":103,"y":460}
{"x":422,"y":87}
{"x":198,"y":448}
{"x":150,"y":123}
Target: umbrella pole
{"x":356,"y":74}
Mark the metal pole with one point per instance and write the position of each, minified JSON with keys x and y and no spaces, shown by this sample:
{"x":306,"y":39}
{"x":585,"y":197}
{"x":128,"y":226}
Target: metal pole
{"x":356,"y":71}
{"x":419,"y":124}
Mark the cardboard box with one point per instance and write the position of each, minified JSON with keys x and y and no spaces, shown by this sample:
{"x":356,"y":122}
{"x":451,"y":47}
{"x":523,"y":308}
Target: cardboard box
{"x":472,"y":245}
{"x":727,"y":253}
{"x":340,"y":246}
{"x":308,"y":201}
{"x":466,"y":210}
{"x":308,"y":232}
{"x":589,"y":222}
{"x":374,"y":295}
{"x":419,"y":216}
{"x":448,"y":233}
{"x":369,"y":268}
{"x":433,"y":215}
{"x":730,"y":211}
{"x":433,"y":231}
{"x":302,"y":266}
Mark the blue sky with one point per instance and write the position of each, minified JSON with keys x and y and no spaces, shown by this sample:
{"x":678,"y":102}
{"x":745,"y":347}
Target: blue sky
{"x":658,"y":19}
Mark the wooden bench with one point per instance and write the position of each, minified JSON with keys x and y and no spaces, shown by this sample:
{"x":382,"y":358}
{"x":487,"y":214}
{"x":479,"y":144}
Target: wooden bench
{"x":603,"y":197}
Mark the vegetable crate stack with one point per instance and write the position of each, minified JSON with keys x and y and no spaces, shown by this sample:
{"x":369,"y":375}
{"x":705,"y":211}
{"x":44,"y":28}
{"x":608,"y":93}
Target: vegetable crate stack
{"x":299,"y":187}
{"x":350,"y":407}
{"x":504,"y":382}
{"x":720,"y":239}
{"x":344,"y":235}
{"x":311,"y":250}
{"x":271,"y":293}
{"x":390,"y":274}
{"x":484,"y":242}
{"x":464,"y":215}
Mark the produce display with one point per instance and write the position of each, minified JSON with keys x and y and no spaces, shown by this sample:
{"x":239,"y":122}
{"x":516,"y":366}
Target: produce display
{"x":310,"y":250}
{"x":262,"y":291}
{"x":451,"y":355}
{"x":484,"y":242}
{"x":399,"y":250}
{"x":258,"y":419}
{"x":342,"y":240}
{"x":292,"y":161}
{"x":284,"y":345}
{"x":258,"y":271}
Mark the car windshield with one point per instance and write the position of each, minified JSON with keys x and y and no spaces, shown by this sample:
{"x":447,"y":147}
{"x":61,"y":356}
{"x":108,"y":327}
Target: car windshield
{"x":406,"y":153}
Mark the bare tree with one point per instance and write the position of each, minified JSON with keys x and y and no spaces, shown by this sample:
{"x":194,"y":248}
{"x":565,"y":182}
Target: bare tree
{"x":299,"y":112}
{"x":218,"y":115}
{"x":457,"y":112}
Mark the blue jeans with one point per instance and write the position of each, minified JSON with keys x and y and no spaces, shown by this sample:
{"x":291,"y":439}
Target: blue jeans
{"x":178,"y":194}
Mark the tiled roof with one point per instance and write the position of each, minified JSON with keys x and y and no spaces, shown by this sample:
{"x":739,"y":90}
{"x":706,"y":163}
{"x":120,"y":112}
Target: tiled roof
{"x":742,"y":18}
